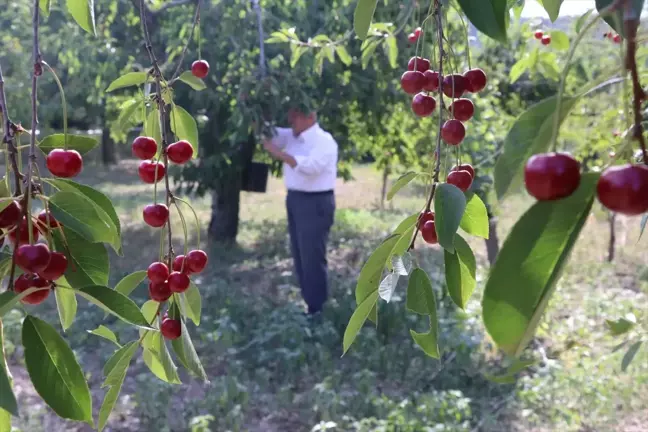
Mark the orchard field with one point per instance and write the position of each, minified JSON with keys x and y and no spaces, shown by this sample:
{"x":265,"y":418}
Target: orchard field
{"x":487,"y":262}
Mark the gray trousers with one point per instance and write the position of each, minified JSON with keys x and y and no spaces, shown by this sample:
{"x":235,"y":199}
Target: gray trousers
{"x":310,"y":217}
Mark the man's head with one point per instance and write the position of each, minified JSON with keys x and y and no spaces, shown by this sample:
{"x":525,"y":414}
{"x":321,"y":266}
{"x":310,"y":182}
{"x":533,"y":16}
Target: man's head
{"x":300,"y":120}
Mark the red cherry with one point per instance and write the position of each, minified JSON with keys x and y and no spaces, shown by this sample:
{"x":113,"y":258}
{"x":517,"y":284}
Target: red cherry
{"x":144,"y":147}
{"x":609,"y":35}
{"x":546,"y":40}
{"x":159,"y":291}
{"x":64,"y":163}
{"x":465,"y":167}
{"x":462,"y":179}
{"x":418,"y":31}
{"x":148,"y":169}
{"x":459,"y":83}
{"x":617,"y":39}
{"x":551,"y":176}
{"x":156,"y":215}
{"x":412,"y":82}
{"x":412,"y":37}
{"x":56,"y":268}
{"x":27,"y":281}
{"x":431,"y":83}
{"x":429,"y":232}
{"x":43,"y":216}
{"x":24,"y":233}
{"x":624,"y":189}
{"x":424,"y":217}
{"x":10,"y":215}
{"x":179,"y":282}
{"x":196,"y":261}
{"x":180,"y":152}
{"x":462,"y":109}
{"x":200,"y":68}
{"x":538,"y":34}
{"x":158,"y":272}
{"x":422,"y":64}
{"x":33,"y":258}
{"x":475,"y":80}
{"x":171,"y":329}
{"x":177,"y":264}
{"x":453,"y":132}
{"x":423,"y":105}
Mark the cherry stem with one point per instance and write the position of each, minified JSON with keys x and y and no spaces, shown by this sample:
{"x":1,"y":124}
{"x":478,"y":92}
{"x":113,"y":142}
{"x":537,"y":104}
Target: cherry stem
{"x":465,"y":29}
{"x":197,"y":221}
{"x":184,"y":228}
{"x":10,"y":137}
{"x":195,"y":24}
{"x":63,"y":103}
{"x":638,"y":94}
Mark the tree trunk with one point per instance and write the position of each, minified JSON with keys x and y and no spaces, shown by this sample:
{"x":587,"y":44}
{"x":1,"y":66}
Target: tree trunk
{"x":612,"y":244}
{"x":108,"y":156}
{"x":226,"y":198}
{"x":492,"y":243}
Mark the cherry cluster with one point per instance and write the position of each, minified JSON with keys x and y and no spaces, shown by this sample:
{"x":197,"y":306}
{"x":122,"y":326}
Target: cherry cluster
{"x":622,"y":189}
{"x":162,"y":284}
{"x":615,"y":37}
{"x":40,"y":266}
{"x":545,"y":39}
{"x":415,"y":35}
{"x":151,"y":171}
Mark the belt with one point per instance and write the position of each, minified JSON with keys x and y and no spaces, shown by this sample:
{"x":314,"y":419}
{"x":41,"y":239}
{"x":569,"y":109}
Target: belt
{"x":326,"y":192}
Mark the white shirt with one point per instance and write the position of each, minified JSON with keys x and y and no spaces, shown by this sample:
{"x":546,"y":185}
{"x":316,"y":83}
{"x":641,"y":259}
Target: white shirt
{"x":316,"y":153}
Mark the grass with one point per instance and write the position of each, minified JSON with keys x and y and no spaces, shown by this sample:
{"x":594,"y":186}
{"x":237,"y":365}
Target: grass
{"x":272,"y":371}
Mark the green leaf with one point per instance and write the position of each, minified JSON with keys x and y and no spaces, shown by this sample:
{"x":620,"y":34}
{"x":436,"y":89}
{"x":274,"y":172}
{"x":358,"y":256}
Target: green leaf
{"x":509,"y":376}
{"x":630,"y":355}
{"x":420,"y":299}
{"x":109,"y":402}
{"x":553,"y":9}
{"x":127,"y":351}
{"x":83,"y":13}
{"x":102,"y":203}
{"x":152,"y":126}
{"x":371,"y":273}
{"x":392,"y":50}
{"x":184,"y":127}
{"x":362,"y":17}
{"x":475,"y":218}
{"x":130,"y":112}
{"x":106,"y":333}
{"x":119,"y":366}
{"x":55,"y":372}
{"x":368,"y":51}
{"x":460,"y":272}
{"x":149,"y":309}
{"x":297,"y":52}
{"x":529,"y":265}
{"x":402,"y":245}
{"x":128,"y":284}
{"x":343,"y":55}
{"x":5,"y":192}
{"x":81,"y":215}
{"x":128,"y":80}
{"x":5,"y":421}
{"x":530,"y":134}
{"x":615,"y":20}
{"x":559,"y":40}
{"x":449,"y":207}
{"x":191,"y":303}
{"x":402,"y":181}
{"x":580,"y":22}
{"x":89,"y":264}
{"x":621,"y":325}
{"x":66,"y":304}
{"x":193,"y":82}
{"x":116,"y":303}
{"x":9,"y":299}
{"x":360,"y":315}
{"x":159,"y":361}
{"x":82,"y":144}
{"x":45,"y":6}
{"x":8,"y":402}
{"x":518,"y":69}
{"x":489,"y":16}
{"x":184,"y":349}
{"x":407,"y":223}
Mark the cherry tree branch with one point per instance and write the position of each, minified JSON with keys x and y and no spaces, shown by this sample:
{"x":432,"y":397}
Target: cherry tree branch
{"x":638,"y":94}
{"x":162,"y":108}
{"x":10,"y":137}
{"x":196,"y":20}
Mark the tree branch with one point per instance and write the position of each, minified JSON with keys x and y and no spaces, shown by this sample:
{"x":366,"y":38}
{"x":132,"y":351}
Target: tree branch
{"x":196,"y":20}
{"x":10,"y":137}
{"x":631,"y":24}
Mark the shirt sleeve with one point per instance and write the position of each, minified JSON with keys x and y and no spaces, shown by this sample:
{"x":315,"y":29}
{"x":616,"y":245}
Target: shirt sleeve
{"x":322,"y":157}
{"x":281,"y":137}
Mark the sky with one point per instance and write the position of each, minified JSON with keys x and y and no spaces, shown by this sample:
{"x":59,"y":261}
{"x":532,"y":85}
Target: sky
{"x":569,"y":7}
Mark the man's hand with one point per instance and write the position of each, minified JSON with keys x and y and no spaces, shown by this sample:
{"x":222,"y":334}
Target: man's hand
{"x":270,"y":146}
{"x":278,"y":154}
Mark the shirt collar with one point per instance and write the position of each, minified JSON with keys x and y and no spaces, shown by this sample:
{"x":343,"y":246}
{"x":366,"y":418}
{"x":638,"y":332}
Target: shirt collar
{"x":310,"y":131}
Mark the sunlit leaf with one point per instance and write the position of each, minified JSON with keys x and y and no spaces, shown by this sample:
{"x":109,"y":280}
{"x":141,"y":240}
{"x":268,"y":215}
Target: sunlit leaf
{"x":183,"y":348}
{"x":106,"y":333}
{"x":83,"y":13}
{"x":360,"y":315}
{"x":553,"y":9}
{"x":362,"y":17}
{"x":559,"y":40}
{"x":159,"y":361}
{"x":115,"y":303}
{"x":127,"y":80}
{"x":66,"y":304}
{"x":475,"y":218}
{"x":128,"y":284}
{"x":82,"y":144}
{"x":343,"y":55}
{"x":184,"y":127}
{"x":8,"y":402}
{"x":195,"y":83}
{"x":402,"y":181}
{"x":392,"y":50}
{"x":420,"y":299}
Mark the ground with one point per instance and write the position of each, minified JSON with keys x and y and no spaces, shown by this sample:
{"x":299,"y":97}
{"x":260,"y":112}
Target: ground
{"x":272,"y":371}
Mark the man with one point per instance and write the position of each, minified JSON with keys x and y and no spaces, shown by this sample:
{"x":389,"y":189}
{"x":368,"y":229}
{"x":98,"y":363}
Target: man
{"x":309,"y":155}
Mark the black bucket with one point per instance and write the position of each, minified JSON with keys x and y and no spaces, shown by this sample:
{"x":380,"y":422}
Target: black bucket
{"x":255,"y":177}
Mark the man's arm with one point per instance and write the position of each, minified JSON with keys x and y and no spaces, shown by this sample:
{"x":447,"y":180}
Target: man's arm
{"x":279,"y":154}
{"x":322,"y":157}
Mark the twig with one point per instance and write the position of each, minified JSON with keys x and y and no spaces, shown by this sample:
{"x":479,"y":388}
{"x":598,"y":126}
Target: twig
{"x":10,"y":137}
{"x":262,"y":61}
{"x":157,"y":75}
{"x":631,"y":24}
{"x":196,"y":20}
